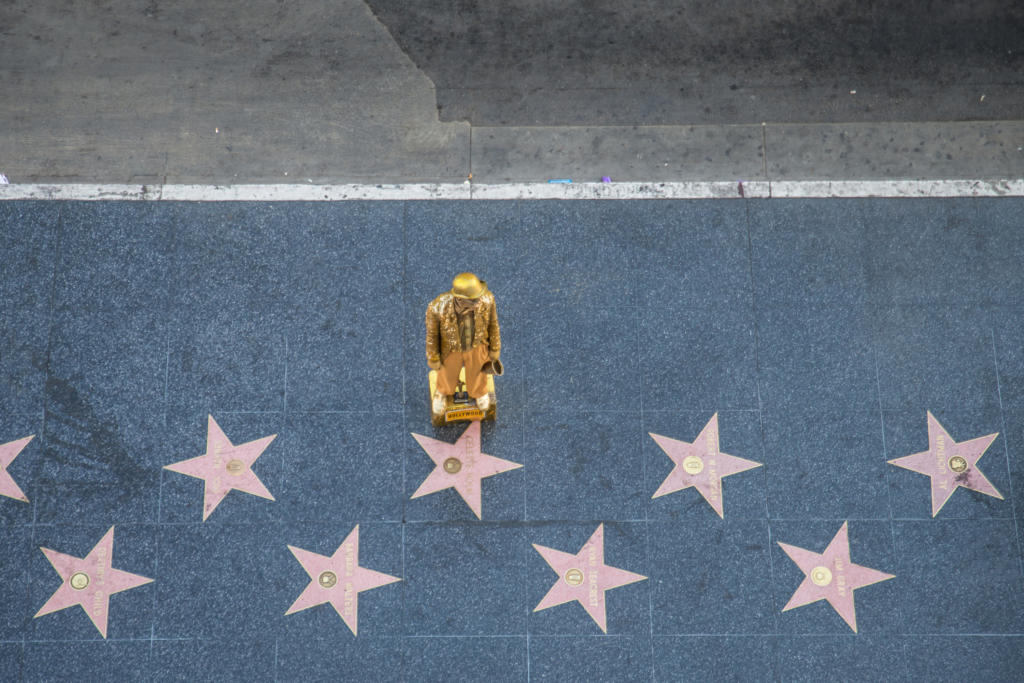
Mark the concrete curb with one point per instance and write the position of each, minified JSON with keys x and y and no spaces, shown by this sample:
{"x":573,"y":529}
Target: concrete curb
{"x":667,"y":190}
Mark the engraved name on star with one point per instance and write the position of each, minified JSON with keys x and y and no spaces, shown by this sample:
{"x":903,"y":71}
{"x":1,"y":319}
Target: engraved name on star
{"x":950,"y":464}
{"x":831,"y":576}
{"x":8,"y":452}
{"x":701,"y":465}
{"x":460,"y":466}
{"x":584,"y":577}
{"x":89,"y":582}
{"x":338,"y":579}
{"x":225,"y":467}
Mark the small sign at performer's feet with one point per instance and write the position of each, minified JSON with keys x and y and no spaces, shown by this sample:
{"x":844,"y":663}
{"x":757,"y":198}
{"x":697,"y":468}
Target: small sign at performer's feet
{"x":463,"y":350}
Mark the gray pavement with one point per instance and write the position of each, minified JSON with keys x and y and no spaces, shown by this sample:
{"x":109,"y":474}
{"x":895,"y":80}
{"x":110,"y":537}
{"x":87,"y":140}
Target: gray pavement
{"x":136,"y":91}
{"x":863,"y":151}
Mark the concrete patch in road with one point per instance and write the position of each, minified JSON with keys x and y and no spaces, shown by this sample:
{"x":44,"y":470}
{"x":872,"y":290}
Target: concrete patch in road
{"x":202,"y":92}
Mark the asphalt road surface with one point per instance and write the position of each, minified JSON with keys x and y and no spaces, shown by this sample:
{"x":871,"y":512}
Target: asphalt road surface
{"x":606,"y":62}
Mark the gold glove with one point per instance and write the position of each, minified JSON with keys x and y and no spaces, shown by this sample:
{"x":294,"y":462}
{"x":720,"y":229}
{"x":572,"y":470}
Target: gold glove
{"x":493,"y":355}
{"x":434,"y":364}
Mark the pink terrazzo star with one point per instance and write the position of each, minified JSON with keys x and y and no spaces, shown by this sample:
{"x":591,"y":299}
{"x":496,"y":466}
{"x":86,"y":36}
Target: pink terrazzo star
{"x":584,"y":577}
{"x":460,"y":466}
{"x":831,"y":576}
{"x":338,"y":579}
{"x":8,"y":452}
{"x":225,"y":467}
{"x":701,"y":465}
{"x":89,"y":582}
{"x":950,"y":464}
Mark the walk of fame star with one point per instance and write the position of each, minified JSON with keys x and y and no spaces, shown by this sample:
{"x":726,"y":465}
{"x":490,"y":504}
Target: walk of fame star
{"x":831,"y":576}
{"x":89,"y":582}
{"x":338,"y":579}
{"x":8,"y":452}
{"x":950,"y":464}
{"x":225,"y":467}
{"x":584,"y":577}
{"x":460,"y":466}
{"x":701,"y":465}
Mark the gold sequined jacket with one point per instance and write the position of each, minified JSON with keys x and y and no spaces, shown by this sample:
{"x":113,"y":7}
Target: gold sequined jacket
{"x":443,"y":328}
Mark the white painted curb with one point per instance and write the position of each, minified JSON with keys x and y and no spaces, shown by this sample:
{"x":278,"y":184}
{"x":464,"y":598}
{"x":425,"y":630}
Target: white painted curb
{"x":708,"y":190}
{"x":626,"y":190}
{"x":898,"y":188}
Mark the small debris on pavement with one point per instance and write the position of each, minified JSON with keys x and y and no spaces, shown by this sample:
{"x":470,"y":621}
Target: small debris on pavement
{"x":216,"y":130}
{"x":606,"y":179}
{"x":741,"y":189}
{"x":3,"y":180}
{"x":566,"y":180}
{"x":982,"y":98}
{"x":853,"y":92}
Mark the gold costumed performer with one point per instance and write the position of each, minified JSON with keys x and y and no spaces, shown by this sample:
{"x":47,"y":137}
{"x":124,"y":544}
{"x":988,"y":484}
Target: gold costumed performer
{"x":462,"y":330}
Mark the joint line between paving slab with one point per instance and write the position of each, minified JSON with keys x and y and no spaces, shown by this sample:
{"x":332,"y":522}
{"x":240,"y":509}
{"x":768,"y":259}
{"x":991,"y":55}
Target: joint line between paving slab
{"x":764,"y":156}
{"x":892,"y":524}
{"x":760,"y":424}
{"x":637,"y":311}
{"x":1006,"y":450}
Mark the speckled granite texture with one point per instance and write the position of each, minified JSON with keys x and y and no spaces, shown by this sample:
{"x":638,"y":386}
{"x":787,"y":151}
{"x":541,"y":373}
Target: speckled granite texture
{"x":820,"y":331}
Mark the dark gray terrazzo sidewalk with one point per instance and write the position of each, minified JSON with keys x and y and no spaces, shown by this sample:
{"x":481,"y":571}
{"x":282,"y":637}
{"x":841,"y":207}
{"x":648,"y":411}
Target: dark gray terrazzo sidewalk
{"x":820,"y":331}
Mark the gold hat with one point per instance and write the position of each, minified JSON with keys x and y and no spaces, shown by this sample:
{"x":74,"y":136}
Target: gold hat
{"x":468,"y":286}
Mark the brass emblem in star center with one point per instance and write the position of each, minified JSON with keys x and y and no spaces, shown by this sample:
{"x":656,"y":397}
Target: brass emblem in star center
{"x":693,"y":465}
{"x":821,"y":576}
{"x":574,"y":577}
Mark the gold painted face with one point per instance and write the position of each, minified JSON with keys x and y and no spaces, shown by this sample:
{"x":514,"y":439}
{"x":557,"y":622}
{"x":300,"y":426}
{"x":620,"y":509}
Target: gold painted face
{"x":574,"y":577}
{"x":235,"y":467}
{"x":80,"y":581}
{"x":957,"y":464}
{"x":327,"y":579}
{"x":821,"y":576}
{"x":452,"y":465}
{"x":693,"y":465}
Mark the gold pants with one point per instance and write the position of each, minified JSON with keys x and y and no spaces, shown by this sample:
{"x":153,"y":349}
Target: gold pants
{"x":476,"y":381}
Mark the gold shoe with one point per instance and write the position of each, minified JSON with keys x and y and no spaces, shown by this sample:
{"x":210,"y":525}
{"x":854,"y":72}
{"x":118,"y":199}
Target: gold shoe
{"x":484,"y":402}
{"x":439,"y":403}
